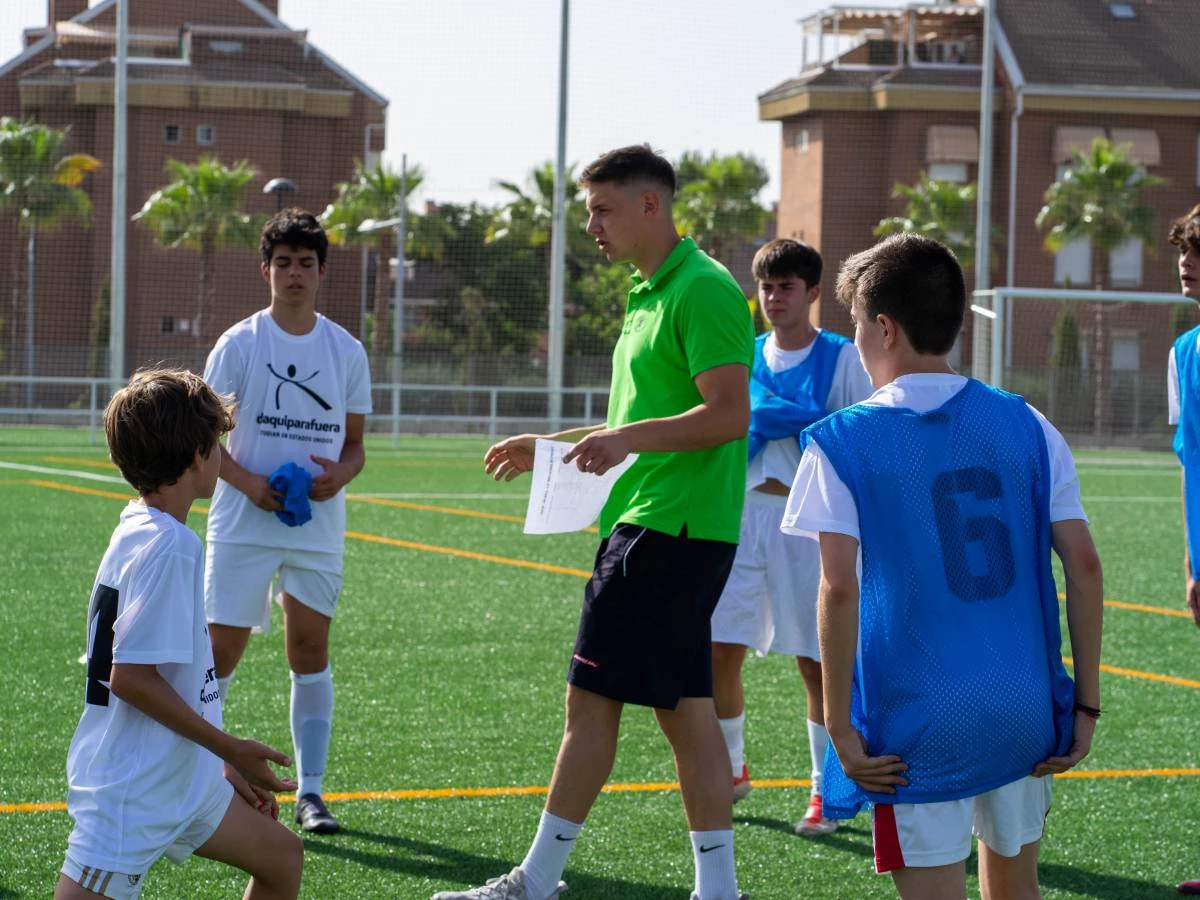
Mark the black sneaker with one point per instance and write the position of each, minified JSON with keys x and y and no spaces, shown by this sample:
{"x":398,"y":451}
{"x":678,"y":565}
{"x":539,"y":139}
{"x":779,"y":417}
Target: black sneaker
{"x":314,"y":816}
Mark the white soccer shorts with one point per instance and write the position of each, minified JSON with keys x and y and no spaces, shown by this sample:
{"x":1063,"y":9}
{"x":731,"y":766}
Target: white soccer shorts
{"x":128,"y":885}
{"x":238,"y":582}
{"x":923,"y":835}
{"x":770,"y":599}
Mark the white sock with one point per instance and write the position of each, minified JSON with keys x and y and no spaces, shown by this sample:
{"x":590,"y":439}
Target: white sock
{"x":547,"y":856}
{"x":715,"y":876}
{"x":818,"y":741}
{"x":312,"y":720}
{"x":223,"y":687}
{"x":734,"y":730}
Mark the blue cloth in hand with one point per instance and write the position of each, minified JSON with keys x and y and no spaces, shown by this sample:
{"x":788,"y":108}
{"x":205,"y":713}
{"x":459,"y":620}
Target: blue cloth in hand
{"x":294,"y":482}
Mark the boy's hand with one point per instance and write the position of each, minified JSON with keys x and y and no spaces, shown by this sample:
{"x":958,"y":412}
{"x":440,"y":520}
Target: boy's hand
{"x":258,"y":489}
{"x":599,"y":451}
{"x":250,"y":758}
{"x":509,"y":458}
{"x":1085,"y":728}
{"x":262,"y":800}
{"x":878,"y":774}
{"x":334,"y":477}
{"x":1193,"y":599}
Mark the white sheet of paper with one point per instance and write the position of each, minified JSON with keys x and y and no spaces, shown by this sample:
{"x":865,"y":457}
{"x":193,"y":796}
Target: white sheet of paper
{"x":561,"y":497}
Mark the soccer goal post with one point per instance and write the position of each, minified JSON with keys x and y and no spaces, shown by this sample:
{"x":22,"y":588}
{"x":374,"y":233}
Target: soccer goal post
{"x":1095,"y":362}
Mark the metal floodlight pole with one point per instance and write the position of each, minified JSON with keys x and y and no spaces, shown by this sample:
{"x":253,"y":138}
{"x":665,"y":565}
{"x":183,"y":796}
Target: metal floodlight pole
{"x":116,"y":326}
{"x":556,"y":343}
{"x":398,"y":316}
{"x":365,"y":254}
{"x":983,"y":207}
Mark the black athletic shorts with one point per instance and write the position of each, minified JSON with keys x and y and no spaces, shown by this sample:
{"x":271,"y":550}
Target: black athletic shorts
{"x":644,"y":633}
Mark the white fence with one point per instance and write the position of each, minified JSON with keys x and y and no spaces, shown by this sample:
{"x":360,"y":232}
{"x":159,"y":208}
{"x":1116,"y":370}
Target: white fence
{"x":399,"y":408}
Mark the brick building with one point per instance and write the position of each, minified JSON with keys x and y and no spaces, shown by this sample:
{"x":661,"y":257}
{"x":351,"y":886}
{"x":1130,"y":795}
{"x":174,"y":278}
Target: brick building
{"x":205,"y":77}
{"x":886,"y":93}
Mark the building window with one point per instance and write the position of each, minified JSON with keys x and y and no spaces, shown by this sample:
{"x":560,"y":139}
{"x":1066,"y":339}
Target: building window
{"x":226,"y":46}
{"x":801,"y":142}
{"x":955,"y":173}
{"x":171,"y":325}
{"x":1125,"y":265}
{"x":170,"y":134}
{"x":1126,"y":351}
{"x":206,"y":135}
{"x":1073,"y":264}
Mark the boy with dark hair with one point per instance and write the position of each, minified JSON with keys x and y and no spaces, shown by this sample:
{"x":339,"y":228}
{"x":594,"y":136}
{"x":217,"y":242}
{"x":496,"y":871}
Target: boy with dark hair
{"x":946,"y":698}
{"x":800,"y":375}
{"x":1183,"y":395}
{"x":144,"y":770}
{"x":669,"y":529}
{"x":303,"y":390}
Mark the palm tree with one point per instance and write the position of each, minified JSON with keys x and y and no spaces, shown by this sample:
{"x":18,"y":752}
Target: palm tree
{"x":373,"y":198}
{"x":941,"y":210}
{"x":200,"y":209}
{"x":39,"y":186}
{"x":1098,"y":198}
{"x":716,"y":199}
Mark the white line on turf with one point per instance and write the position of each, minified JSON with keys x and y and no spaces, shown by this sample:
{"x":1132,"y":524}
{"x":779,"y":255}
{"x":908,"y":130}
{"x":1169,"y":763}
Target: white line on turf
{"x":70,"y":473}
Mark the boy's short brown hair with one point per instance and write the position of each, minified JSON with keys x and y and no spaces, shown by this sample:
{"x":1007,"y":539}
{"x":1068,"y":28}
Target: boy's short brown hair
{"x":1185,"y":231}
{"x":783,"y":258}
{"x":156,"y":424}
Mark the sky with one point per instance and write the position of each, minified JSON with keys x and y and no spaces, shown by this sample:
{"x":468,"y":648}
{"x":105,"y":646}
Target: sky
{"x":473,"y":84}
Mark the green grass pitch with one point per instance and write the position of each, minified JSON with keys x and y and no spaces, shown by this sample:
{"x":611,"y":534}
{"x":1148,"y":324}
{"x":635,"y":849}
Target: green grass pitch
{"x":449,"y":655}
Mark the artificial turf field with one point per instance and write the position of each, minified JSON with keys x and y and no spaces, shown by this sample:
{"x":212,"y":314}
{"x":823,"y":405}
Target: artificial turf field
{"x":449,"y":654}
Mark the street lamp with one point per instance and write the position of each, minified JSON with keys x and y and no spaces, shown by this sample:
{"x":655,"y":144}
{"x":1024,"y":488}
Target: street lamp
{"x":279,"y":187}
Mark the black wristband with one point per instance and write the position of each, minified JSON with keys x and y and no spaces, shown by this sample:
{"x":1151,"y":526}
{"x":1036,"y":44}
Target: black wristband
{"x":1090,"y":711}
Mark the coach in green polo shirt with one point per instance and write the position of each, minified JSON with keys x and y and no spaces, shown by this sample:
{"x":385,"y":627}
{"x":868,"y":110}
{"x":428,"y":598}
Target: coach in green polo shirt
{"x":679,"y":399}
{"x":686,"y":318}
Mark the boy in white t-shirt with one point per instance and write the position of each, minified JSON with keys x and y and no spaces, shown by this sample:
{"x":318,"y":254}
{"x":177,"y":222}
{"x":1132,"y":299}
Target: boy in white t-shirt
{"x":937,"y":503}
{"x":144,"y":770}
{"x":303,"y":390}
{"x":800,"y":374}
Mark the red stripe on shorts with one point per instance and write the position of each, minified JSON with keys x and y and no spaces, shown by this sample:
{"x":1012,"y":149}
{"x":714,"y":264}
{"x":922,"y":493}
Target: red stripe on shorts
{"x":888,"y":855}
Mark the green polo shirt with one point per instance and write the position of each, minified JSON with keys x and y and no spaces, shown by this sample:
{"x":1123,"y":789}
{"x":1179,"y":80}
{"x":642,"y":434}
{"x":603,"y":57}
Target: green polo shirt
{"x":688,"y":317}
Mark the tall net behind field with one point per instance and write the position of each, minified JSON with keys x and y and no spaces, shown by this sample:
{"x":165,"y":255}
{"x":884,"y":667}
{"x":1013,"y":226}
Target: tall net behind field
{"x":829,"y":124}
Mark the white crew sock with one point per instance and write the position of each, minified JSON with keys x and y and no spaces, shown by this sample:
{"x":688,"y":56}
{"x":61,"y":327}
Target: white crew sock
{"x":818,"y":741}
{"x":734,"y":731}
{"x":223,"y":687}
{"x":715,"y":876}
{"x":312,"y":720}
{"x":547,"y":857}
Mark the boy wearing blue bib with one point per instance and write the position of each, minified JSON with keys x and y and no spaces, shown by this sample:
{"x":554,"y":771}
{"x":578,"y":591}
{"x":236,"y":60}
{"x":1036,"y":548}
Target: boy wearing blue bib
{"x":1183,"y":403}
{"x":945,"y":695}
{"x":800,"y":375}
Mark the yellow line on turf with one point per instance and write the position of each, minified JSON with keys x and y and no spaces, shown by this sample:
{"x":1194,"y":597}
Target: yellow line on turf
{"x":1143,"y":676}
{"x":87,"y":463}
{"x":74,"y":489}
{"x":1140,"y":607}
{"x":647,"y":787}
{"x":468,"y":554}
{"x":448,"y":510}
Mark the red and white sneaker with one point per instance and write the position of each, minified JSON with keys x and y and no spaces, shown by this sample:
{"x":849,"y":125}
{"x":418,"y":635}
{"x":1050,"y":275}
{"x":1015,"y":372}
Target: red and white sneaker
{"x":741,"y":784}
{"x":814,"y":822}
{"x":1188,"y":887}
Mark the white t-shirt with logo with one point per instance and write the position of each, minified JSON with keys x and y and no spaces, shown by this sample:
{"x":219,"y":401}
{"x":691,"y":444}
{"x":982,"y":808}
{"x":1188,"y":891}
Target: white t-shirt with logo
{"x":293,"y":395}
{"x":134,"y":785}
{"x":851,"y":384}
